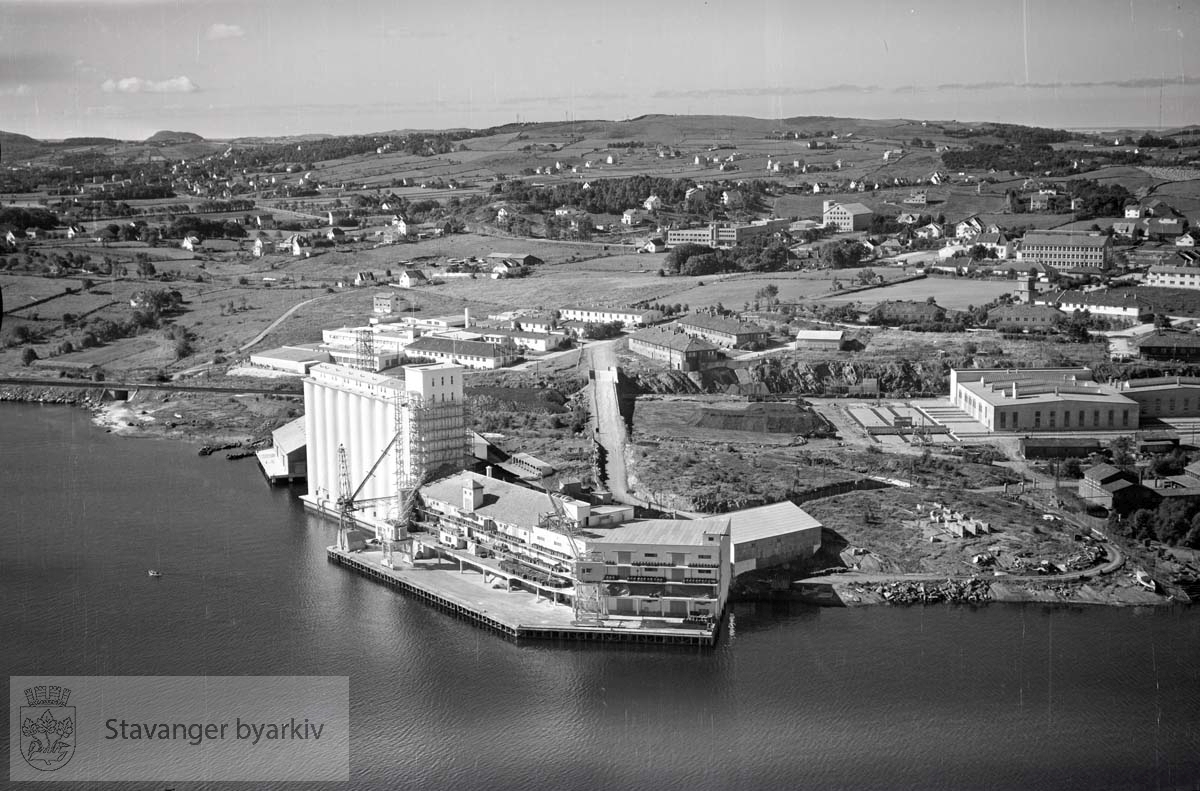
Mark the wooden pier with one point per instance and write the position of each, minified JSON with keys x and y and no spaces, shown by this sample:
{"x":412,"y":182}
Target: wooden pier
{"x":515,"y":630}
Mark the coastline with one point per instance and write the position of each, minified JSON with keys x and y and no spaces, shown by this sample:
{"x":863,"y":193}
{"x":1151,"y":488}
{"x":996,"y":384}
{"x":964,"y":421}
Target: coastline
{"x":157,"y":417}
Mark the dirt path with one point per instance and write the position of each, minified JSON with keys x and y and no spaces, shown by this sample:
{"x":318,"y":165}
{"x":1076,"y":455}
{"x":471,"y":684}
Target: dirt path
{"x":277,"y":322}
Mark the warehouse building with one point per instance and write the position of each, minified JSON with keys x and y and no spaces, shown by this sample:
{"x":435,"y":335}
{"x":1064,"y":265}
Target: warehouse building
{"x":629,"y":317}
{"x":772,"y":535}
{"x":847,"y":217}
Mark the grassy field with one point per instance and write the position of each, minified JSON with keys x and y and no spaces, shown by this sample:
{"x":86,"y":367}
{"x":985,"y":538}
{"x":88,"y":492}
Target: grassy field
{"x":949,"y":292}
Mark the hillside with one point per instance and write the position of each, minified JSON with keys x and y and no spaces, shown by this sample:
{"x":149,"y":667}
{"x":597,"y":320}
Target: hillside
{"x":166,"y":137}
{"x":14,"y":147}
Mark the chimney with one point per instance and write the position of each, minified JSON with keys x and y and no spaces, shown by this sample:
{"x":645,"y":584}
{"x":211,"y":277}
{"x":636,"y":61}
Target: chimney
{"x":466,"y":317}
{"x":1014,"y":390}
{"x":490,"y":471}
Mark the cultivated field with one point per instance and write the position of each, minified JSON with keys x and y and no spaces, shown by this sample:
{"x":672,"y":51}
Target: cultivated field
{"x":949,"y":292}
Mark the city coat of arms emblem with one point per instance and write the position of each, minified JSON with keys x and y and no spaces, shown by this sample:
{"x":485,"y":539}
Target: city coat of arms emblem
{"x":47,"y":728}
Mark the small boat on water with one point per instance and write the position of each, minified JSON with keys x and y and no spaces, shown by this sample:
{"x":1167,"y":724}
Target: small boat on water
{"x":154,"y":573}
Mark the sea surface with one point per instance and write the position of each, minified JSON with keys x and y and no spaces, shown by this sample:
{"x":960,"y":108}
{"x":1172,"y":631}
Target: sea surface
{"x":939,"y":697}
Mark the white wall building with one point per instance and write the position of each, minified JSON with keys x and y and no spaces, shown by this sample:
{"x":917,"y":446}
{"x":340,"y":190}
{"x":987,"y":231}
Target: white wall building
{"x":362,"y":411}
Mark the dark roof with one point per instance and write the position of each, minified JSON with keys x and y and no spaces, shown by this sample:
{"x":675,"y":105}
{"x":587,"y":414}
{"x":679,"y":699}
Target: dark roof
{"x":718,"y":324}
{"x":677,"y":341}
{"x":430,"y":343}
{"x":1062,"y":238}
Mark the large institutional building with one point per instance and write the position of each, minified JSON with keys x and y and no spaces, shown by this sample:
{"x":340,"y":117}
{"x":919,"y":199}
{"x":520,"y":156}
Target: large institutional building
{"x":1067,"y":249}
{"x":725,"y":234}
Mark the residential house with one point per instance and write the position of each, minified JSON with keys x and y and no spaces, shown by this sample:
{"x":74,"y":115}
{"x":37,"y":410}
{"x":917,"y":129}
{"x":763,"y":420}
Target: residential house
{"x":411,"y":278}
{"x":996,"y":243}
{"x":652,"y":204}
{"x":1164,"y":228}
{"x":931,"y":231}
{"x":1188,"y":239}
{"x":655,"y":245}
{"x":631,"y":217}
{"x":191,"y":242}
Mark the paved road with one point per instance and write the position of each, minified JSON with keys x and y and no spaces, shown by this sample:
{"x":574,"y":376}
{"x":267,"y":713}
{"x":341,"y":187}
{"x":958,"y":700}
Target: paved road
{"x":610,"y":428}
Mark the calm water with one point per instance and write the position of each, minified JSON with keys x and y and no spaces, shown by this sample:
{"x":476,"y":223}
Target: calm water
{"x":794,"y":697}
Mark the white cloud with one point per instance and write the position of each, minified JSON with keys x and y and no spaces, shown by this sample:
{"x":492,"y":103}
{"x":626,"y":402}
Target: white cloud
{"x":218,"y":31}
{"x":139,"y":85}
{"x":17,"y":90}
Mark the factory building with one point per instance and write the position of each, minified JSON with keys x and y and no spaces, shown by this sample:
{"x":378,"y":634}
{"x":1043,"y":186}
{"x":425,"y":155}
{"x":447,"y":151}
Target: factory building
{"x":660,"y":568}
{"x":362,"y":412}
{"x":1041,"y":399}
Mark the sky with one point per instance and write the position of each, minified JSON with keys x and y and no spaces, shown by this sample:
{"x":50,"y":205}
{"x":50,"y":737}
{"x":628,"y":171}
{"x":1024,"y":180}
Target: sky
{"x":228,"y":68}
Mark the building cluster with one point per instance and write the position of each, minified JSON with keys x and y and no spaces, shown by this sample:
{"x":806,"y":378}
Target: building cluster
{"x":393,"y":454}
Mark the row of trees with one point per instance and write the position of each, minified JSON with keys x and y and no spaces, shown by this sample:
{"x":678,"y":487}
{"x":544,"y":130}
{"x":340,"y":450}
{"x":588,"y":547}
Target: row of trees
{"x":758,"y":254}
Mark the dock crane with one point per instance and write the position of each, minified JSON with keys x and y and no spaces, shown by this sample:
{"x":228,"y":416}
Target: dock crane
{"x":587,"y":569}
{"x":407,"y":483}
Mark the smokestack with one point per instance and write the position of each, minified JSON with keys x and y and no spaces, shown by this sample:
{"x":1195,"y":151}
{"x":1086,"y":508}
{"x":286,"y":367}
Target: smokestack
{"x":466,"y":317}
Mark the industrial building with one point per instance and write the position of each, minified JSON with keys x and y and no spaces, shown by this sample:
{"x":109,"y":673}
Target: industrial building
{"x":563,"y":548}
{"x":847,"y":217}
{"x":290,"y":359}
{"x":287,"y":458}
{"x":380,"y":434}
{"x":772,"y":535}
{"x":1042,"y":399}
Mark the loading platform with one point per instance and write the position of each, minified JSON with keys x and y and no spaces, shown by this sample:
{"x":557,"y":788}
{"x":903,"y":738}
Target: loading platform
{"x":516,"y":614}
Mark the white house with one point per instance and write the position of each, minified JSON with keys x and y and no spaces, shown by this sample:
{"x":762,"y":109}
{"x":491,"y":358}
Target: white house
{"x":653,"y":203}
{"x":191,"y":242}
{"x":631,"y":217}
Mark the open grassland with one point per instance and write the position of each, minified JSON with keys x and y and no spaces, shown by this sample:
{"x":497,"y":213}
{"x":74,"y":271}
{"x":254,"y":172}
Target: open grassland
{"x":949,"y":292}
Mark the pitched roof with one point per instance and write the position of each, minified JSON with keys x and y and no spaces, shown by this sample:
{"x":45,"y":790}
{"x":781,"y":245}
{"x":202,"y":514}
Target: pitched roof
{"x":855,"y":208}
{"x":718,"y":324}
{"x":502,"y":501}
{"x":289,"y":436}
{"x":676,"y":341}
{"x":1062,"y":239}
{"x":432,"y":343}
{"x":765,"y":521}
